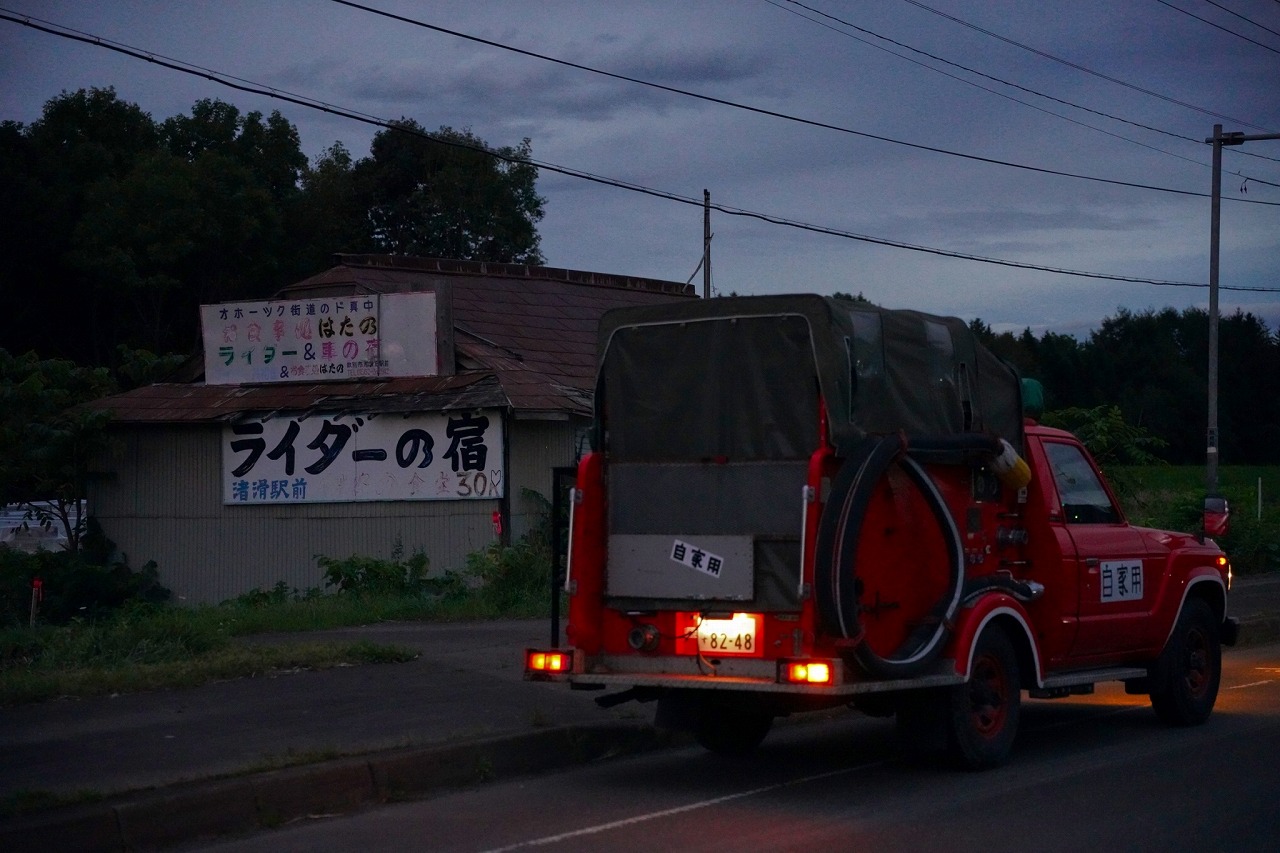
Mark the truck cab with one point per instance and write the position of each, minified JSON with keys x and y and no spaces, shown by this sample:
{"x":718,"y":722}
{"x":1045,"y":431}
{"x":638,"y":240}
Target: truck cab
{"x":797,"y":502}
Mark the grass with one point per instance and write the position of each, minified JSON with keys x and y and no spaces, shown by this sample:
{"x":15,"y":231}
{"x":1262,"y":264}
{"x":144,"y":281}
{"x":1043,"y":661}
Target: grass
{"x":1171,"y":497}
{"x":37,"y":679}
{"x":142,"y":646}
{"x":317,"y":613}
{"x":27,"y":802}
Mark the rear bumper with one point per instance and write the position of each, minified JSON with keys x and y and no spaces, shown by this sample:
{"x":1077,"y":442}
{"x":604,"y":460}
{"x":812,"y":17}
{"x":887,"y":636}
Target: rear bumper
{"x":754,"y":685}
{"x":736,"y":675}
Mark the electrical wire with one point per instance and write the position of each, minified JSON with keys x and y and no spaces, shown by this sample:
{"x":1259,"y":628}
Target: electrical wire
{"x":936,"y":58}
{"x":1078,"y":67}
{"x":1219,"y":26}
{"x":243,"y":85}
{"x":772,"y":113}
{"x":1243,"y":18}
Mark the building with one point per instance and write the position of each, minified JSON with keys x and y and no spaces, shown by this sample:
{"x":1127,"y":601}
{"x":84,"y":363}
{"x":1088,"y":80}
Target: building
{"x":451,"y":450}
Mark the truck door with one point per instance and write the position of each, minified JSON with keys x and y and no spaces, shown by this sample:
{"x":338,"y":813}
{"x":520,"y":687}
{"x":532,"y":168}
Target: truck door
{"x":1115,"y":573}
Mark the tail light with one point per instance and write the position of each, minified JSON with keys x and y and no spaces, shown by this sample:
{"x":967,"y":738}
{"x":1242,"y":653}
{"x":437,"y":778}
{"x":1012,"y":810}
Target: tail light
{"x":546,"y":664}
{"x":816,"y":672}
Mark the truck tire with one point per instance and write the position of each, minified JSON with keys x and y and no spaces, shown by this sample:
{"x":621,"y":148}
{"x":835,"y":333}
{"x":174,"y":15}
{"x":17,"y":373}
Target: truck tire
{"x":730,"y":731}
{"x":984,"y":711}
{"x":837,"y":587}
{"x":1184,"y":681}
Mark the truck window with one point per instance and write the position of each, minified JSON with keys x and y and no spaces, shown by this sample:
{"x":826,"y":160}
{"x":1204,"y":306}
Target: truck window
{"x":865,"y":351}
{"x":1084,"y":500}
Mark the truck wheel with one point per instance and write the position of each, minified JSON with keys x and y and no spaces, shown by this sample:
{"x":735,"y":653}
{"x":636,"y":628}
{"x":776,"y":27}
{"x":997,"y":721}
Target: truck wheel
{"x":730,"y":732}
{"x":984,"y":710}
{"x":1184,"y":682}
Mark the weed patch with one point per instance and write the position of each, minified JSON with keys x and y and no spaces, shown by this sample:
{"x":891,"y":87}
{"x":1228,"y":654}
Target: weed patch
{"x":27,"y":802}
{"x":1172,"y":498}
{"x":36,"y":677}
{"x":138,"y":645}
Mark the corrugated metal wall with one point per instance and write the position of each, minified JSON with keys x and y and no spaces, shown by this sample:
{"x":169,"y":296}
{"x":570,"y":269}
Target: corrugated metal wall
{"x":162,"y":502}
{"x":536,"y":447}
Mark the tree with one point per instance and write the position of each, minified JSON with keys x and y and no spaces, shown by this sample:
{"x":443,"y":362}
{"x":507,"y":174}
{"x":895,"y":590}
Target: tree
{"x":1109,"y":438}
{"x":449,"y":195}
{"x":119,"y":227}
{"x":50,"y":169}
{"x":125,"y":226}
{"x":270,"y":150}
{"x":1249,"y":390}
{"x":331,"y":213}
{"x":46,"y":443}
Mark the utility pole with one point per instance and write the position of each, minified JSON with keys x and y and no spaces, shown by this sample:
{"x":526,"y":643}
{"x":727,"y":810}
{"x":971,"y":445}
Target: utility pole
{"x":706,"y":244}
{"x":1218,"y":140}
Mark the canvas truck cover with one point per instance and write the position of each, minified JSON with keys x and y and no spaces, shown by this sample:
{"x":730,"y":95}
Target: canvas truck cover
{"x":739,"y":377}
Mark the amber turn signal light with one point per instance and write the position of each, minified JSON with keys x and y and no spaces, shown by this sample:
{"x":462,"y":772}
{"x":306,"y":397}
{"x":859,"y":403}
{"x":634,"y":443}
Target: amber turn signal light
{"x":818,"y":672}
{"x":552,"y":662}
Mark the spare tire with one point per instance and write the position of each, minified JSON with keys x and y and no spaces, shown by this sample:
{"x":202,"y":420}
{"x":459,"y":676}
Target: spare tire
{"x":838,"y":586}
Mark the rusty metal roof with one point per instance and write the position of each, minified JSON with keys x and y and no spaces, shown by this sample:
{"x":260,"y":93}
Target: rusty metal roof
{"x":196,"y":402}
{"x":543,"y":316}
{"x":525,"y":338}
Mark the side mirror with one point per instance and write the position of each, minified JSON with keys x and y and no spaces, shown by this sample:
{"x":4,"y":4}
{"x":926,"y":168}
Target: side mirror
{"x":1217,"y":516}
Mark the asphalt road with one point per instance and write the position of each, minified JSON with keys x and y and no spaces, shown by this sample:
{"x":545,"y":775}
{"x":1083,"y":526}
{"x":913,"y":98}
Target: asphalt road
{"x":1088,"y":773}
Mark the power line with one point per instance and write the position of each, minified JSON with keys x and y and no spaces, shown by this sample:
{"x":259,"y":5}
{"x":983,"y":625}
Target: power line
{"x":1243,"y":18}
{"x":1219,"y":26}
{"x":776,"y":220}
{"x":956,"y":77}
{"x":1077,"y":66}
{"x":1003,"y":82}
{"x":774,"y":113}
{"x":242,"y":85}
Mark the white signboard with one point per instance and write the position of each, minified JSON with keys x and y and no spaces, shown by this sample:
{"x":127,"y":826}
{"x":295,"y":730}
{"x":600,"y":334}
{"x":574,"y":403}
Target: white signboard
{"x":695,"y":558}
{"x":330,"y":338}
{"x":387,"y":457}
{"x":1121,"y":580}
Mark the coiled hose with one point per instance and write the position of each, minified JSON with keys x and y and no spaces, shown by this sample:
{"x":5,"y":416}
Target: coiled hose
{"x":836,"y":591}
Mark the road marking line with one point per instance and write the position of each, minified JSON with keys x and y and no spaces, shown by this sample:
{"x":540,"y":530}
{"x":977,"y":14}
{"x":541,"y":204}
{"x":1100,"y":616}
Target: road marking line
{"x":715,"y":801}
{"x":1250,"y":684}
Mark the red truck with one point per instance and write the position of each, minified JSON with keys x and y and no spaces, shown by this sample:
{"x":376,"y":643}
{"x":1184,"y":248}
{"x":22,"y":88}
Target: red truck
{"x":797,"y":503}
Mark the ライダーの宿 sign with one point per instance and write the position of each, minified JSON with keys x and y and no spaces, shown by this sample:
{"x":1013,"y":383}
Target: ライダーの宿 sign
{"x":387,"y":457}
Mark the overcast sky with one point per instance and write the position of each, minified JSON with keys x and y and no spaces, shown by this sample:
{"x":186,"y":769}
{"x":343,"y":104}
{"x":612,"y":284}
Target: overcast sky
{"x":1144,"y":85}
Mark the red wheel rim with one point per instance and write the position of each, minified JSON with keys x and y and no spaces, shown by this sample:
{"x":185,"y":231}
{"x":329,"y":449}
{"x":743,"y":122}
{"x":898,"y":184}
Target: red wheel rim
{"x":988,"y":697}
{"x":1198,"y":675}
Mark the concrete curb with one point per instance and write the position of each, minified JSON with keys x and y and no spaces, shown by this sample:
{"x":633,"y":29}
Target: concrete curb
{"x":1259,"y":630}
{"x":192,"y":811}
{"x":189,"y":812}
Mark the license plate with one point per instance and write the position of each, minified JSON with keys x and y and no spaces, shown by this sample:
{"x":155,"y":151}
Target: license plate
{"x":739,"y":636}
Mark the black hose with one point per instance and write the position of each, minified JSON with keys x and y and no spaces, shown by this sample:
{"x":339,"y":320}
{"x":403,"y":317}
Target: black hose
{"x":836,"y":592}
{"x":952,"y":448}
{"x":836,"y":586}
{"x":1022,"y":590}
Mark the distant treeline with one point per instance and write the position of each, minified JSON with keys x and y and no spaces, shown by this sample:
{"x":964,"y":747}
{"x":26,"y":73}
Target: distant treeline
{"x":1154,"y":366}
